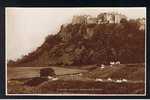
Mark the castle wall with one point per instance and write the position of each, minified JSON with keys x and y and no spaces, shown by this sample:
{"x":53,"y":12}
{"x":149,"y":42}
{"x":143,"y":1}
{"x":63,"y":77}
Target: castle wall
{"x":100,"y":19}
{"x":79,"y":20}
{"x":92,"y":21}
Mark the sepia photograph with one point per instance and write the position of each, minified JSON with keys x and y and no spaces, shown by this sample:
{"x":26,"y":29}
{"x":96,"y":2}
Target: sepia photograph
{"x":78,"y":51}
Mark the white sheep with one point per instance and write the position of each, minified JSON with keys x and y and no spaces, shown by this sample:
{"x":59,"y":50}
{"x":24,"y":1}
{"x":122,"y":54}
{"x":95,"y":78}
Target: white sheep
{"x":54,"y":79}
{"x":109,"y":79}
{"x":112,"y":63}
{"x":118,"y":81}
{"x":118,"y":62}
{"x":50,"y":77}
{"x":124,"y":80}
{"x":102,"y":66}
{"x":99,"y":80}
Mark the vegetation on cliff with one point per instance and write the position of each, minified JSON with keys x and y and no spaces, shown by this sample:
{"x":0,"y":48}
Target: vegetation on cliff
{"x":83,"y":44}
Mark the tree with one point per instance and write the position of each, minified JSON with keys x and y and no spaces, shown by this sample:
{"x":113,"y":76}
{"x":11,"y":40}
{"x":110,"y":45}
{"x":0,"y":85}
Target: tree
{"x":11,"y":63}
{"x":123,"y":20}
{"x":45,"y":72}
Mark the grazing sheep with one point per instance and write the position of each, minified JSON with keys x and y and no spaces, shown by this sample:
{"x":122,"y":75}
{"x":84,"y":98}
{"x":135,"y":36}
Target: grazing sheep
{"x":50,"y":77}
{"x":118,"y":81}
{"x":112,"y":63}
{"x":118,"y":62}
{"x":99,"y":80}
{"x":124,"y":80}
{"x":54,"y":79}
{"x":102,"y":66}
{"x":109,"y":79}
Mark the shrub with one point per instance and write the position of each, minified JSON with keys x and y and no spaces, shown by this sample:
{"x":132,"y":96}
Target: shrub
{"x":47,"y":72}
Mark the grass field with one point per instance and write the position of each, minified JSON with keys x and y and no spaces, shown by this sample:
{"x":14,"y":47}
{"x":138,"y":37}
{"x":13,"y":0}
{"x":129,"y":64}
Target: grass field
{"x":28,"y":72}
{"x":80,"y":84}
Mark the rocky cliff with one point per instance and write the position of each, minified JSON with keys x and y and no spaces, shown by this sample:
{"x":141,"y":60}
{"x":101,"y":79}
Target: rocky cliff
{"x":83,"y":44}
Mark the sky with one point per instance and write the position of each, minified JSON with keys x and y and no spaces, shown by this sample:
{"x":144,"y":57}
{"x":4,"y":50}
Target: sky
{"x":26,"y":28}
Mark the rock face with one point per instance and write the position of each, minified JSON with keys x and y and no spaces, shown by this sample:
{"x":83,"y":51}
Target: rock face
{"x":83,"y":44}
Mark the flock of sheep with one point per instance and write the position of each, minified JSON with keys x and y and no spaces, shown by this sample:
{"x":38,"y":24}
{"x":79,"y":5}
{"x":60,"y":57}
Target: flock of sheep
{"x":111,"y":80}
{"x":111,"y":64}
{"x":98,"y":79}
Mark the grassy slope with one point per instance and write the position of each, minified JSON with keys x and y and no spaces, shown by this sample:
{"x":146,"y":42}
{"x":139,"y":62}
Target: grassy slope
{"x":130,"y":72}
{"x":81,"y":84}
{"x":28,"y":72}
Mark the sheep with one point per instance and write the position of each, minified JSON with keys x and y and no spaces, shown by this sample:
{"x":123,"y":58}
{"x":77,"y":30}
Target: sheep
{"x":54,"y":79}
{"x":118,"y":81}
{"x":124,"y":80}
{"x":50,"y":77}
{"x":99,"y":80}
{"x":112,"y":63}
{"x":102,"y":66}
{"x":118,"y":62}
{"x":109,"y":79}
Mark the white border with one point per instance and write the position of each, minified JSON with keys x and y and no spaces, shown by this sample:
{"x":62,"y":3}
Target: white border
{"x":75,"y":94}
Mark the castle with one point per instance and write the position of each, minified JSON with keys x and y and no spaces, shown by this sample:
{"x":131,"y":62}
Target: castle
{"x":100,"y":19}
{"x":142,"y":23}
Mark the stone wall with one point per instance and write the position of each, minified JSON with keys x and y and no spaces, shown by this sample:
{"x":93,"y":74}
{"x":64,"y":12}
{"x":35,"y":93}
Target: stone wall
{"x":100,"y":19}
{"x":79,"y":20}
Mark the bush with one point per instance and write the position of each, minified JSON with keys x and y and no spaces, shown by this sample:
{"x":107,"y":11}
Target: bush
{"x":35,"y":81}
{"x":47,"y":72}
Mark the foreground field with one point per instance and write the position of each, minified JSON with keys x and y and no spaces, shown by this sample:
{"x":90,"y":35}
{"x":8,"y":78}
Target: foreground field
{"x":29,"y":72}
{"x":77,"y":87}
{"x":78,"y":81}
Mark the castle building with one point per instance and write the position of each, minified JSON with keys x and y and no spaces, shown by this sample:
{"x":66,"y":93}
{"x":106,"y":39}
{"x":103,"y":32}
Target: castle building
{"x":142,"y":23}
{"x":92,"y":20}
{"x":100,"y":19}
{"x":79,"y":19}
{"x":110,"y":18}
{"x":119,"y":17}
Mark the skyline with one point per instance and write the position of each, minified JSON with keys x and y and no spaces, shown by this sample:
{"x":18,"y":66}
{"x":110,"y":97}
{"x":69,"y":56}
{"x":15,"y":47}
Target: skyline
{"x":32,"y":25}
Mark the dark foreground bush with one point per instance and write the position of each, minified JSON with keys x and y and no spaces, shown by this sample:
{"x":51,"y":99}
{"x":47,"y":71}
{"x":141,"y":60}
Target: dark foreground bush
{"x":35,"y":81}
{"x":47,"y":72}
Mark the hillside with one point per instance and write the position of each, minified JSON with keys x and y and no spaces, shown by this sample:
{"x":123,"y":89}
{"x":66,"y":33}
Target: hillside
{"x":84,"y":44}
